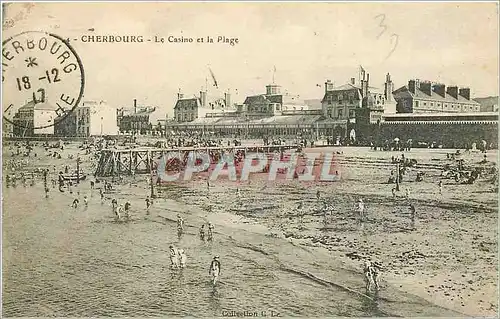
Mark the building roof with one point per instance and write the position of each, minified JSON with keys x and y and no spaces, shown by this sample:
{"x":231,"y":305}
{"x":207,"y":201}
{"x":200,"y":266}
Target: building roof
{"x":30,"y":106}
{"x":254,"y":99}
{"x":287,"y":119}
{"x":403,"y":92}
{"x":186,"y":103}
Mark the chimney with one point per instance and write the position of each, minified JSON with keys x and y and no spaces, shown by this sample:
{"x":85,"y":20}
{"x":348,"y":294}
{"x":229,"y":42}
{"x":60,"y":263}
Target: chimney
{"x":203,"y":98}
{"x":440,"y":89}
{"x":366,"y":84}
{"x":353,"y":81}
{"x":465,"y":93}
{"x":426,"y":87}
{"x":227,"y":99}
{"x":328,"y":86}
{"x":453,"y":91}
{"x":135,"y":106}
{"x":388,"y":88}
{"x":180,"y":95}
{"x":412,"y":86}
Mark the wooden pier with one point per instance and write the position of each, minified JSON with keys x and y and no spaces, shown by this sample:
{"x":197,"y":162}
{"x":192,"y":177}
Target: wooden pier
{"x":116,"y":162}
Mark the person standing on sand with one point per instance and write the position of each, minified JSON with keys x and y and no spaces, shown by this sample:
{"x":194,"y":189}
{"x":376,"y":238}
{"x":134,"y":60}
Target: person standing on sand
{"x":210,"y":231}
{"x":413,"y":216}
{"x":148,"y":205}
{"x":202,"y":232}
{"x":46,"y":192}
{"x":361,"y":210}
{"x":440,"y":184}
{"x":127,"y":210}
{"x":101,"y":192}
{"x":180,"y":225}
{"x":75,"y":203}
{"x":407,"y":193}
{"x":394,"y":192}
{"x":371,"y":276}
{"x":318,"y":195}
{"x":85,"y":201}
{"x":118,"y":212}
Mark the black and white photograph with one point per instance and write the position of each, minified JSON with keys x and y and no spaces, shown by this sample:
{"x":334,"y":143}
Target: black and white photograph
{"x":250,"y":159}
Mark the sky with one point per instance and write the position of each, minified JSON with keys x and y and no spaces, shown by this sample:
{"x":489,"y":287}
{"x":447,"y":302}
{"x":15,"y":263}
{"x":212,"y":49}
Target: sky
{"x":306,"y":43}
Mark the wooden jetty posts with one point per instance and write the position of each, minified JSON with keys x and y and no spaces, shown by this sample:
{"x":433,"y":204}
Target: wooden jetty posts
{"x":116,"y":162}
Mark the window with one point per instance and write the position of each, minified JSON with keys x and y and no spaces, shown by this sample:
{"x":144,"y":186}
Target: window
{"x":416,"y":103}
{"x":446,"y":105}
{"x":340,"y":96}
{"x":340,"y":112}
{"x":432,"y":104}
{"x":352,"y":113}
{"x":425,"y":104}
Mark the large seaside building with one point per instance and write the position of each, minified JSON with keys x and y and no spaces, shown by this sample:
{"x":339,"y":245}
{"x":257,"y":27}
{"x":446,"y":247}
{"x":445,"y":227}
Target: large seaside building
{"x":342,"y":102}
{"x":351,"y":113}
{"x":135,"y":121}
{"x":90,"y":118}
{"x":34,"y":119}
{"x":272,"y":103}
{"x":192,"y":108}
{"x":429,"y":97}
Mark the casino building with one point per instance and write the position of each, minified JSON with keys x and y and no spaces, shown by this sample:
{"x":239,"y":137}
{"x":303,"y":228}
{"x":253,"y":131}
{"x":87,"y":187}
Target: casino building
{"x":352,"y":113}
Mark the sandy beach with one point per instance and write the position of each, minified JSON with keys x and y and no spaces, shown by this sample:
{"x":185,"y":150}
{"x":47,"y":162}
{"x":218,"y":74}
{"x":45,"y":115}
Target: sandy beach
{"x":449,"y":260}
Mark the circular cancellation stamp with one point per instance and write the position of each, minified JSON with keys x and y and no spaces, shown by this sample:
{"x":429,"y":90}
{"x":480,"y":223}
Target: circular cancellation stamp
{"x":42,"y":79}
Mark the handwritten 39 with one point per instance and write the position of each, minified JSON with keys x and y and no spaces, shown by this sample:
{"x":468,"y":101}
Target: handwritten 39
{"x":394,"y":37}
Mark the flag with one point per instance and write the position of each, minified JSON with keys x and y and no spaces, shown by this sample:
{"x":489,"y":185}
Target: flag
{"x":213,"y":78}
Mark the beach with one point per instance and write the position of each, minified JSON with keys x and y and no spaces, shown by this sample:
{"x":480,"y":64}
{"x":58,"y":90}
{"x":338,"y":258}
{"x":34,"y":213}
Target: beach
{"x":275,"y":257}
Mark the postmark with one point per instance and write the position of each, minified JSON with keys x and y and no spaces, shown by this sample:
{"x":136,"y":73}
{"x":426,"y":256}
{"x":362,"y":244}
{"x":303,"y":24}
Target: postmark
{"x":43,"y":74}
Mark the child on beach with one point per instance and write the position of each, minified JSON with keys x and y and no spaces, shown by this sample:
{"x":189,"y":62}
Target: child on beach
{"x":75,"y":203}
{"x":370,"y":276}
{"x":361,"y":210}
{"x":182,"y":258}
{"x":85,"y":201}
{"x":127,"y":209}
{"x":174,"y":257}
{"x":210,"y":231}
{"x":413,"y":215}
{"x":148,"y":204}
{"x":202,"y":232}
{"x":214,"y":270}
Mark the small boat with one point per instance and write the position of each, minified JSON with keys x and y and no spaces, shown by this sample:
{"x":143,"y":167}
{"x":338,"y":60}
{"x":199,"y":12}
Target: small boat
{"x":74,"y":177}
